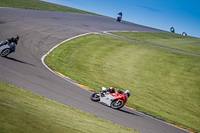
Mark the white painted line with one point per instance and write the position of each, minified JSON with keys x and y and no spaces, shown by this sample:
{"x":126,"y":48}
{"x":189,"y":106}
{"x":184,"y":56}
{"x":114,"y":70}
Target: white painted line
{"x":43,"y":58}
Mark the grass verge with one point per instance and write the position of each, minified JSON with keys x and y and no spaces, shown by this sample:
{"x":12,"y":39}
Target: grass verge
{"x":41,"y":5}
{"x":163,"y":83}
{"x":176,"y":41}
{"x":22,"y":112}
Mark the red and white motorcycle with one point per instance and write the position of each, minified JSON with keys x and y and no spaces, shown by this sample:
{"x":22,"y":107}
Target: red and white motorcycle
{"x":115,"y":100}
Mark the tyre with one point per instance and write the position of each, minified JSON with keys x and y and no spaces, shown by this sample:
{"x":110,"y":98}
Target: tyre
{"x":116,"y":104}
{"x":95,"y":97}
{"x":5,"y":52}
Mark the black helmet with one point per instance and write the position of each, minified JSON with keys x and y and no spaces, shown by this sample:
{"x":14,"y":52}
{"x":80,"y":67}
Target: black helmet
{"x":16,"y":38}
{"x":112,"y":90}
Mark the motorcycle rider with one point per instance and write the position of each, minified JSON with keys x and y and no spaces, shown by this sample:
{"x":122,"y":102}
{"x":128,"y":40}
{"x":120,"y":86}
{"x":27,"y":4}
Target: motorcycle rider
{"x":112,"y":90}
{"x":9,"y":42}
{"x":172,"y":29}
{"x":13,"y":39}
{"x":119,"y":16}
{"x":120,"y":13}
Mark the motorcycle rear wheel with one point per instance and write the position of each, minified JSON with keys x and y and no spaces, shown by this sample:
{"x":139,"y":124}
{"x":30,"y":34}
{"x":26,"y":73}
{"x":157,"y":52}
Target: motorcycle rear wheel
{"x":116,"y":104}
{"x":5,"y":52}
{"x":94,"y":97}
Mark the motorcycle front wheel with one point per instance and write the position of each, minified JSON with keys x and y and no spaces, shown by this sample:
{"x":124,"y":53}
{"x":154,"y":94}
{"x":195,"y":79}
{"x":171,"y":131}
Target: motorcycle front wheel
{"x":95,"y":97}
{"x":116,"y":104}
{"x":5,"y":52}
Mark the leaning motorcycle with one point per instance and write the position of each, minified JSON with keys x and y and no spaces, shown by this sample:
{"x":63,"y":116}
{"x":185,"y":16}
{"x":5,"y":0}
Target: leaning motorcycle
{"x":114,"y":100}
{"x":119,"y":18}
{"x":7,"y":48}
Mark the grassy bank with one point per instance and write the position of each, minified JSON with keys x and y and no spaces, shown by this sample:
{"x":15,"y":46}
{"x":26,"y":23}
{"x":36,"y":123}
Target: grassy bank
{"x":24,"y":112}
{"x":41,"y":5}
{"x":185,"y":43}
{"x":163,"y":83}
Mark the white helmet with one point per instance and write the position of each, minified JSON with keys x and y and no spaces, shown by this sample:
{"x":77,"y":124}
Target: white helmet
{"x":128,"y":93}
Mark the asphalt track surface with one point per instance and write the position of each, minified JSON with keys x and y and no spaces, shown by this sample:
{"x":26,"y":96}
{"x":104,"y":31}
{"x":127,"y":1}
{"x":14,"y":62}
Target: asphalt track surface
{"x":39,"y":31}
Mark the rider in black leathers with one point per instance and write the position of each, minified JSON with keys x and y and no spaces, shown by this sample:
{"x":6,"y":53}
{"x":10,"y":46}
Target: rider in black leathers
{"x":13,"y":39}
{"x":112,"y":90}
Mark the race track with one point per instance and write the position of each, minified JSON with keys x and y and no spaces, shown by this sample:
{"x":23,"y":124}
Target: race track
{"x":39,"y":31}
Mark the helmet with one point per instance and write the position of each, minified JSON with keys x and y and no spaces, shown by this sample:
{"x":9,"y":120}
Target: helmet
{"x":16,"y":38}
{"x":112,"y":90}
{"x":128,"y":93}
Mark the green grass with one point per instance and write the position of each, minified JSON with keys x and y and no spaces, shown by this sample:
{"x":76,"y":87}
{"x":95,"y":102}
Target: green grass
{"x":41,"y":5}
{"x":24,"y":112}
{"x":163,"y":83}
{"x":185,"y":43}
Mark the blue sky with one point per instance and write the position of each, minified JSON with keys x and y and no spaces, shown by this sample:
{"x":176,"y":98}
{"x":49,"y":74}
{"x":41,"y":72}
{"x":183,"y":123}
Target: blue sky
{"x":183,"y":15}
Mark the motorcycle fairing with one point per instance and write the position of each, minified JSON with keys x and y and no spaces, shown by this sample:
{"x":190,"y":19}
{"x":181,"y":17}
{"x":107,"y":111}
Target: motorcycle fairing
{"x":107,"y":99}
{"x":4,"y":47}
